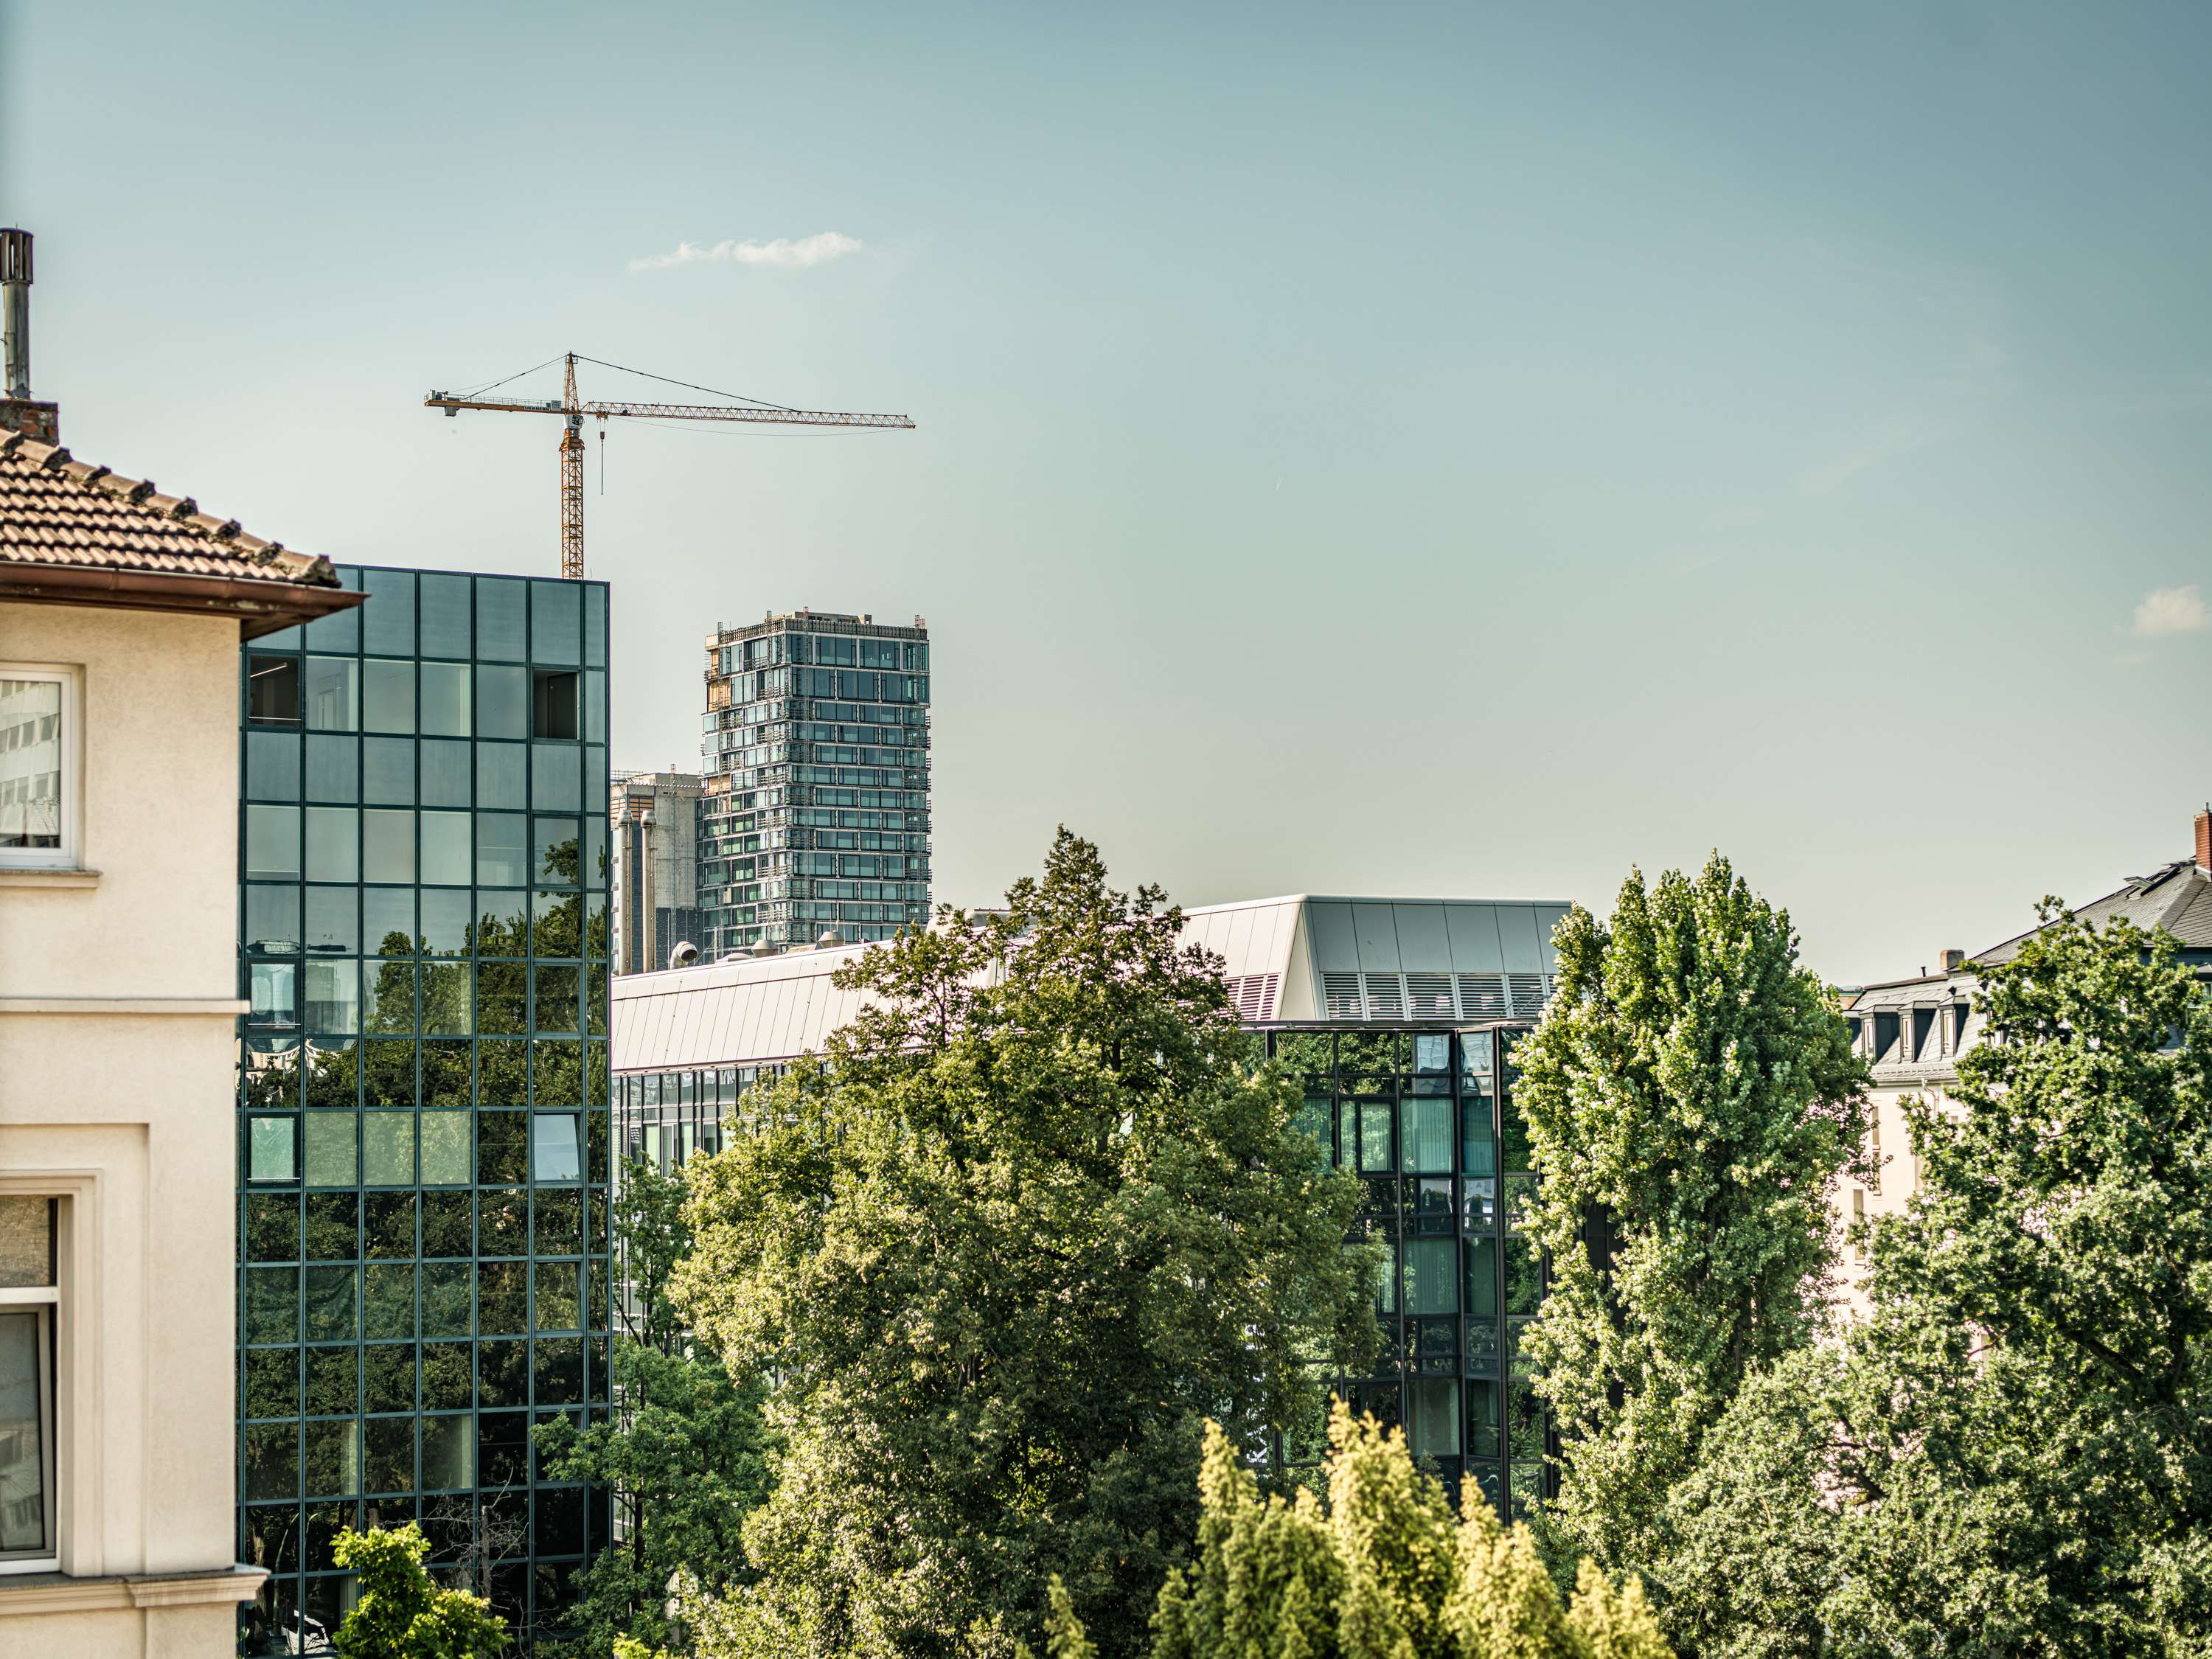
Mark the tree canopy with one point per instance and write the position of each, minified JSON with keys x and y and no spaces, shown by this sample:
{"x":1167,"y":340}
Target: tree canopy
{"x":1030,"y":1218}
{"x":398,"y":1612}
{"x":1691,"y":1090}
{"x":2012,"y":1457}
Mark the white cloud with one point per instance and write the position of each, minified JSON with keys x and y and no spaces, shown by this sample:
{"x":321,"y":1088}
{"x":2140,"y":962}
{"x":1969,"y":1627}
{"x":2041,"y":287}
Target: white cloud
{"x":2172,"y":611}
{"x":816,"y":250}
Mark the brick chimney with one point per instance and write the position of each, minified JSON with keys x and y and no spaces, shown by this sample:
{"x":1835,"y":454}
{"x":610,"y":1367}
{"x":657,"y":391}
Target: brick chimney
{"x":2204,"y":839}
{"x":1953,"y":960}
{"x":19,"y":410}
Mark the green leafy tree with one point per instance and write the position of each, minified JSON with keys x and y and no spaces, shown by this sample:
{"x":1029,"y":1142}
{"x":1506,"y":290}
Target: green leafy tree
{"x":1382,"y":1571}
{"x":400,"y":1613}
{"x":1033,"y":1217}
{"x":684,"y":1456}
{"x":2012,"y":1457}
{"x":1694,"y":1085}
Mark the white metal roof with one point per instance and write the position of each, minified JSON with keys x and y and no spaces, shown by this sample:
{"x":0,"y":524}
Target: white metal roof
{"x":1302,"y":957}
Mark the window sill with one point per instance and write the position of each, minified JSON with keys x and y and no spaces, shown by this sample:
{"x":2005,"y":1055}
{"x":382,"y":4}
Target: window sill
{"x":21,"y":876}
{"x":54,"y":1592}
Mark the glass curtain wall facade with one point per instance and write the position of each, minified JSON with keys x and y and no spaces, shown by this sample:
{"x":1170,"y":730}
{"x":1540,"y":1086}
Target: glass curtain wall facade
{"x":814,"y":816}
{"x":1427,"y":1121}
{"x":423,"y":1121}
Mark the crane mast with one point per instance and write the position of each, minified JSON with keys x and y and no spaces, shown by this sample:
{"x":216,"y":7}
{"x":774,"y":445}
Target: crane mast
{"x":572,"y":410}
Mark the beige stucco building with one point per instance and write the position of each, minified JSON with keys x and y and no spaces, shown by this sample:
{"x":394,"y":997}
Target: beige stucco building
{"x":120,"y":612}
{"x":1913,"y":1031}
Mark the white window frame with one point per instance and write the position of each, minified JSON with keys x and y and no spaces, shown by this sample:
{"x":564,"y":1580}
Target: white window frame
{"x":44,"y":1301}
{"x":69,"y":854}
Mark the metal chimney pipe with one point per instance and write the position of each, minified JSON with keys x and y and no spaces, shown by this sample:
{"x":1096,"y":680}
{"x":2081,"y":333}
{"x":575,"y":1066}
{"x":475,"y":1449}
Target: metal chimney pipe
{"x":15,"y":312}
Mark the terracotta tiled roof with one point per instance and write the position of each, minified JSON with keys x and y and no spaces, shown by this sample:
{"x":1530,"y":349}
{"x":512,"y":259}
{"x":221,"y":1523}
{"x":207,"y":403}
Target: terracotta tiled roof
{"x":59,"y":512}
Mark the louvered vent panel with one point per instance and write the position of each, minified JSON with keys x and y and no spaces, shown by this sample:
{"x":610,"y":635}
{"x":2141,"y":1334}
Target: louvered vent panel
{"x":1268,"y":987}
{"x":1342,"y":992}
{"x":1527,"y":995}
{"x":1482,"y":996}
{"x":1428,"y":996}
{"x":1248,"y":991}
{"x":1386,"y":998}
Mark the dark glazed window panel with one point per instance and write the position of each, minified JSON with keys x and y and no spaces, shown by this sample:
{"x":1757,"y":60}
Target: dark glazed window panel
{"x":333,"y":770}
{"x":554,"y":852}
{"x":553,"y":704}
{"x":558,"y":1222}
{"x":448,"y":1292}
{"x":557,"y":782}
{"x":501,"y":1076}
{"x":1477,"y":1139}
{"x":559,"y":1363}
{"x":389,"y":1224}
{"x":272,"y":766}
{"x":447,"y":767}
{"x":333,"y":1071}
{"x":1516,"y":1137}
{"x":447,"y":702}
{"x":447,"y":1381}
{"x":272,"y":1461}
{"x":502,"y":1005}
{"x":1524,"y":1419}
{"x":503,"y":1444}
{"x":1481,"y":1417}
{"x":388,"y":1069}
{"x":333,"y":1305}
{"x":388,"y":1304}
{"x":445,"y":614}
{"x":1366,"y":1053}
{"x":333,"y":1459}
{"x":1432,"y":1424}
{"x":596,"y":1145}
{"x":559,"y":1527}
{"x":556,"y":1009}
{"x":556,"y":1074}
{"x":1520,"y":1192}
{"x":595,"y":624}
{"x":445,"y":1068}
{"x":503,"y":1146}
{"x":500,"y":610}
{"x":446,"y":857}
{"x":1481,"y":1279}
{"x":333,"y":922}
{"x":272,"y":1383}
{"x":388,"y":1378}
{"x":448,"y":1222}
{"x":1524,"y":1277}
{"x":502,"y":1380}
{"x":503,"y":849}
{"x":596,"y":924}
{"x":272,"y":842}
{"x":449,"y":1449}
{"x":1425,"y":1136}
{"x":556,"y":622}
{"x":502,"y":1297}
{"x":447,"y":917}
{"x":388,"y":846}
{"x":388,"y":771}
{"x":596,"y":1025}
{"x":558,"y":1304}
{"x":1374,"y":1135}
{"x":595,"y":707}
{"x":272,"y":688}
{"x":387,"y":619}
{"x":388,"y":698}
{"x":502,"y":704}
{"x":272,"y":1227}
{"x":333,"y":1232}
{"x":387,"y":922}
{"x":502,"y":923}
{"x":505,"y":1230}
{"x":333,"y":1382}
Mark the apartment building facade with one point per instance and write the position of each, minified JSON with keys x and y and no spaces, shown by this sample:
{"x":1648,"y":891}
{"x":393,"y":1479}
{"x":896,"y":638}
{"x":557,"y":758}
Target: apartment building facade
{"x":814,"y":811}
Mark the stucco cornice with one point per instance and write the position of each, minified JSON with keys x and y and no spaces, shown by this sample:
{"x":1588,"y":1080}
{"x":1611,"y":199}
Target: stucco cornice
{"x":54,"y":1592}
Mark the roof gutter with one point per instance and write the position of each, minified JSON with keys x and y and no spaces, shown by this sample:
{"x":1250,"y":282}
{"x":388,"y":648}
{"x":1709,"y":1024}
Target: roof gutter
{"x":261,"y":606}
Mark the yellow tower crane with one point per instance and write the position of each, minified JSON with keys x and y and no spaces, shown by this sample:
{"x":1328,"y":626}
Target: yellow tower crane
{"x":572,"y":410}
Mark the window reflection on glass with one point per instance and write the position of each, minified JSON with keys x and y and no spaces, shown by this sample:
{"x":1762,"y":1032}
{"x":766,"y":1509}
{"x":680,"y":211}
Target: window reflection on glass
{"x":1374,"y":1135}
{"x":554,"y":1153}
{"x":1481,"y":1279}
{"x":272,"y":994}
{"x":1520,"y":1190}
{"x":332,"y":693}
{"x":27,"y":1427}
{"x":1431,"y":1052}
{"x":1431,"y":1275}
{"x":1524,"y":1277}
{"x":1474,"y":1055}
{"x":555,"y":852}
{"x":272,"y":918}
{"x":1432,"y":1421}
{"x":1425,"y":1129}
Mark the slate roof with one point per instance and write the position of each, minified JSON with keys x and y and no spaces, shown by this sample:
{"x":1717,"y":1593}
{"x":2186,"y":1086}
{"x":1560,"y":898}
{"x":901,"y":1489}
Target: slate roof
{"x":57,"y":510}
{"x":2177,"y":896}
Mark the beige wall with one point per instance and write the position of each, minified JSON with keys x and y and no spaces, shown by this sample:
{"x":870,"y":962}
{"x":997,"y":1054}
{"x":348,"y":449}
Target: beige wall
{"x":118,"y":996}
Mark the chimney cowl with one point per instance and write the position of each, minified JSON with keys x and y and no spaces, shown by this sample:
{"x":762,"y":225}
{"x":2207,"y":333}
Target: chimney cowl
{"x":18,"y":412}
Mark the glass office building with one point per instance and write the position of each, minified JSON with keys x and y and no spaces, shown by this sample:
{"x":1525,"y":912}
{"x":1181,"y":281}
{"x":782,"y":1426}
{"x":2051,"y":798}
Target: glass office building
{"x":814,"y":814}
{"x":423,"y":1087}
{"x":1399,"y":1019}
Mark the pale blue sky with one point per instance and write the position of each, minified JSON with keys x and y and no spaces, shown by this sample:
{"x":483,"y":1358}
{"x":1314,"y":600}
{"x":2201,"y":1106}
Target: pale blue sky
{"x":1452,"y":451}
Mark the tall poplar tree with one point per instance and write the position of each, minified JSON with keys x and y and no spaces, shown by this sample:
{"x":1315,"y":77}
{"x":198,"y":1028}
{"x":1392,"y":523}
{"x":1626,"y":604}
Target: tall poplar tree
{"x":1693,"y":1090}
{"x":1033,"y":1217}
